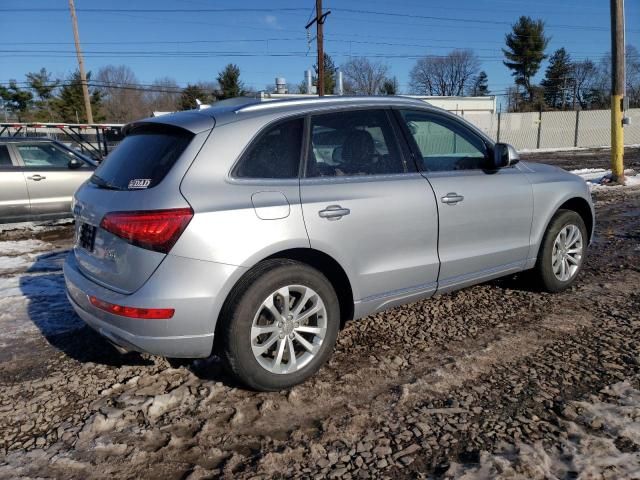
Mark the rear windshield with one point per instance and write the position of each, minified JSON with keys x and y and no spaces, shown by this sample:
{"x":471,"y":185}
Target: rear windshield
{"x":142,"y":159}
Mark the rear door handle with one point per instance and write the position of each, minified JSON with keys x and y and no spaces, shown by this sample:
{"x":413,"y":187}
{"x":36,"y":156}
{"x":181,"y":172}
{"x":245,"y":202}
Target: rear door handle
{"x":36,"y":177}
{"x":334,"y":212}
{"x":452,"y":198}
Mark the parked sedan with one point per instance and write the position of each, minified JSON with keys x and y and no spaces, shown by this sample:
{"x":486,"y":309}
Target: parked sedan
{"x":256,"y":230}
{"x":38,"y":178}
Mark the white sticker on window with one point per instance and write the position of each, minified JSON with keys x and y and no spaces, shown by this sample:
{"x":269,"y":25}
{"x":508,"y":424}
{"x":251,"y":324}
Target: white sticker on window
{"x":138,"y":183}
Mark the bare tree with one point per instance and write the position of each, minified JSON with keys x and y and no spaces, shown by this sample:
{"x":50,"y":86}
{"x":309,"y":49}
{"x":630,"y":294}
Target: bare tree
{"x":444,"y":75}
{"x":163,"y":95}
{"x":633,"y":76}
{"x":584,"y":76}
{"x":364,"y":77}
{"x":122,"y":95}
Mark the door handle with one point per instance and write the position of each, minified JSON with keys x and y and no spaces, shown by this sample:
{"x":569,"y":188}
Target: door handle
{"x":334,"y":212}
{"x":36,"y":177}
{"x":452,"y":198}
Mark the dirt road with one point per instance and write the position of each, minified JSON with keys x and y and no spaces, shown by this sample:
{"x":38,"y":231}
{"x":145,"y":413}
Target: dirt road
{"x":495,"y":380}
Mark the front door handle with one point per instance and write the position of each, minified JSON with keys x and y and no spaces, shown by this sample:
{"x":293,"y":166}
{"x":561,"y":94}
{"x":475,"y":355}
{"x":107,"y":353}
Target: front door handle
{"x":452,"y":198}
{"x":36,"y":177}
{"x":334,"y":212}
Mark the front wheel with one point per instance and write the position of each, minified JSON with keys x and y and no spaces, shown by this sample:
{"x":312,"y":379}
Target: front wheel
{"x":562,"y":252}
{"x":281,"y":325}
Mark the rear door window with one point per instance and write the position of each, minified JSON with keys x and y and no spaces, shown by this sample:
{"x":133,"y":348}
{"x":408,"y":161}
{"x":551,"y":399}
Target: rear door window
{"x":142,"y":159}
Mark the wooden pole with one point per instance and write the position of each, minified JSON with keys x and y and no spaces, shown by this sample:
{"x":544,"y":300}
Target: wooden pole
{"x":320,"y":40}
{"x":83,"y":76}
{"x":617,"y":90}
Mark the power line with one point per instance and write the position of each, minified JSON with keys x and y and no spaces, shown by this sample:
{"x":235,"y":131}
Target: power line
{"x":155,"y":10}
{"x":295,"y":9}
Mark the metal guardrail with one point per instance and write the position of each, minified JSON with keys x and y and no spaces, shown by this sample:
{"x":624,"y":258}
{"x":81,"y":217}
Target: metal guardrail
{"x":96,"y":139}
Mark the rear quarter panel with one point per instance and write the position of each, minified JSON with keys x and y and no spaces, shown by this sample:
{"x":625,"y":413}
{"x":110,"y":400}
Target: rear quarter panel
{"x":226,"y":228}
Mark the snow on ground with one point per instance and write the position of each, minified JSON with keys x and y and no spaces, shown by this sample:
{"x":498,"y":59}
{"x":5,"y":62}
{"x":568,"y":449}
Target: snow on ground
{"x":35,"y":226}
{"x":32,"y":296}
{"x":603,"y":441}
{"x":17,"y":247}
{"x":572,"y":149}
{"x":595,"y":176}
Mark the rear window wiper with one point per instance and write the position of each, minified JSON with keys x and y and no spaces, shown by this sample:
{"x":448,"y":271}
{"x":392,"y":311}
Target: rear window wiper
{"x":102,"y":183}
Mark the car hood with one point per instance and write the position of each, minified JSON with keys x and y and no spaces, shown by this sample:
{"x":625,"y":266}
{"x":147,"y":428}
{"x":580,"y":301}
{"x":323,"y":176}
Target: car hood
{"x":540,"y":167}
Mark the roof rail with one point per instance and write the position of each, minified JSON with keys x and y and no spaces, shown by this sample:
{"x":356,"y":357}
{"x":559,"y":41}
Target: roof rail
{"x":319,"y":100}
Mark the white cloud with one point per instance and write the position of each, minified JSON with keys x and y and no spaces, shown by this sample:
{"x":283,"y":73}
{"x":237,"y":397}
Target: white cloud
{"x":272,"y":21}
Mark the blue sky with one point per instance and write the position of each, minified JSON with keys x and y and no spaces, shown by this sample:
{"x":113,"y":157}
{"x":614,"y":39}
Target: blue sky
{"x":198,"y":44}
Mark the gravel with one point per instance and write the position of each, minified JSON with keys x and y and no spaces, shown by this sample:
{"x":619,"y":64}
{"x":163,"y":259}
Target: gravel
{"x":491,"y":380}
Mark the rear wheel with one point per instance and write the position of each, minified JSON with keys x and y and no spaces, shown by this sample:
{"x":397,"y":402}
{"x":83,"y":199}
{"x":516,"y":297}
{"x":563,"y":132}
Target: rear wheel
{"x":280,"y":325}
{"x":562,"y":252}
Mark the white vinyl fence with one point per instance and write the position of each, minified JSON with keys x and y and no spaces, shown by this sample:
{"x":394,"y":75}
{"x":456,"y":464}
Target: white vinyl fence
{"x":535,"y":130}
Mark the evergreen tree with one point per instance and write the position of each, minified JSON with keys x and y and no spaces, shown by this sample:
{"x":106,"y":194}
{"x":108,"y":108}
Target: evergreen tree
{"x":558,"y":79}
{"x":16,"y":99}
{"x":526,"y":44}
{"x":480,"y":87}
{"x":229,"y":82}
{"x":389,"y":86}
{"x":329,"y":75}
{"x":41,"y":83}
{"x":191,"y":93}
{"x":69,"y":105}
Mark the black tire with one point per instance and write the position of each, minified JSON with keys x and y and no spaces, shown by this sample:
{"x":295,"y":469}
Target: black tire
{"x":543,"y":271}
{"x":237,"y":318}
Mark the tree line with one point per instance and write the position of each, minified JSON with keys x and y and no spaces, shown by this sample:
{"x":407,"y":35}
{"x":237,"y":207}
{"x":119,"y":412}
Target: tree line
{"x":118,"y":96}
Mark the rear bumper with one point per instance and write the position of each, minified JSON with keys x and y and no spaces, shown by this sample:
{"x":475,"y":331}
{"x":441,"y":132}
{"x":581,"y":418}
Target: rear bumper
{"x":195,"y":289}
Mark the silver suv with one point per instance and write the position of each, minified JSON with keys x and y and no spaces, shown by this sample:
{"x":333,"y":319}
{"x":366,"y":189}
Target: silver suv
{"x":38,"y":177}
{"x":255,"y":230}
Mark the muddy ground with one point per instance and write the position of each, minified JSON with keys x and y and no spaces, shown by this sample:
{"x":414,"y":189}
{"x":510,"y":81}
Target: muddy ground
{"x":498,"y":380}
{"x":577,"y":159}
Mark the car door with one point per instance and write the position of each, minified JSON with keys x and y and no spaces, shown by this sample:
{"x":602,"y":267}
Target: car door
{"x":14,"y":198}
{"x":369,"y":208}
{"x":484,"y":215}
{"x":52,"y":176}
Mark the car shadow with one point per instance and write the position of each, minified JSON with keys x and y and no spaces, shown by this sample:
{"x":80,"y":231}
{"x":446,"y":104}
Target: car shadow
{"x":49,"y":309}
{"x":519,"y":281}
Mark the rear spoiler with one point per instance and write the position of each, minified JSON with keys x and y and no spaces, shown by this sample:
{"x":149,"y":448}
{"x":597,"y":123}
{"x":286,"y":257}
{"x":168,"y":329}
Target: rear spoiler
{"x":191,"y":120}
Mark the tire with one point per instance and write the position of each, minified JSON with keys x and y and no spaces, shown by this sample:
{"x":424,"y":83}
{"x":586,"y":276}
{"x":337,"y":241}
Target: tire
{"x":245,"y":314}
{"x":548,"y":272}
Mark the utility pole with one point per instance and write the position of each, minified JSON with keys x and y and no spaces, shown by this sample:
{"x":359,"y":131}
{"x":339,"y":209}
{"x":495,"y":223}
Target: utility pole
{"x":319,"y":21}
{"x":617,"y":90}
{"x":83,"y":76}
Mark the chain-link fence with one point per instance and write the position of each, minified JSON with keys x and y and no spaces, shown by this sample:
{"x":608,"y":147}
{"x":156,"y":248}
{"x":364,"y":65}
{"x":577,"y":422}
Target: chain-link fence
{"x":535,"y":130}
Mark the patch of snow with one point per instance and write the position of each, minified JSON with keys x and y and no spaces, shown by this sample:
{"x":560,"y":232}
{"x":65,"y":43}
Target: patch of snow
{"x":35,"y":226}
{"x":17,"y":247}
{"x":8,"y":264}
{"x":583,"y":171}
{"x":571,"y":149}
{"x":34,"y":303}
{"x":590,"y":448}
{"x":595,"y":176}
{"x":632,"y":181}
{"x":32,"y":292}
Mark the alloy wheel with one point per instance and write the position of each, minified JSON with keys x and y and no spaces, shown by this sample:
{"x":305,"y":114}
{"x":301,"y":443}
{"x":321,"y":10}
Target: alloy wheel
{"x":288,"y":329}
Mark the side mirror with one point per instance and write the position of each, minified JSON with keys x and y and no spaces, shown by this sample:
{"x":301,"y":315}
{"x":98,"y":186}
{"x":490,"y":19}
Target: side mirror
{"x":74,"y":163}
{"x":504,"y":155}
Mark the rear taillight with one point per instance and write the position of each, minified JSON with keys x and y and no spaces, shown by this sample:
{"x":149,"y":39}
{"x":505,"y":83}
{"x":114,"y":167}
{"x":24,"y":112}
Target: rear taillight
{"x":133,"y":312}
{"x":157,"y":230}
